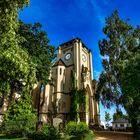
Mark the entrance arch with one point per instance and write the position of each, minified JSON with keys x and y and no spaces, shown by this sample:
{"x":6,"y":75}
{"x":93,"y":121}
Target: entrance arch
{"x":90,"y":105}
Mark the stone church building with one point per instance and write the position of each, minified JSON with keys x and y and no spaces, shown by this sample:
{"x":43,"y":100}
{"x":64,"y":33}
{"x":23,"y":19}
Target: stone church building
{"x":73,"y":56}
{"x":53,"y":103}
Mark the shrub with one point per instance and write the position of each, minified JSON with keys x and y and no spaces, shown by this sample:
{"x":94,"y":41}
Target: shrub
{"x":53,"y":133}
{"x":20,"y":117}
{"x":21,"y":124}
{"x":71,"y":128}
{"x":82,"y":128}
{"x":89,"y":135}
{"x":79,"y":131}
{"x":47,"y":133}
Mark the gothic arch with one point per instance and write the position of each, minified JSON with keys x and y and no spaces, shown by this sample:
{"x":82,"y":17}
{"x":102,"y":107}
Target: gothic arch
{"x":90,"y":105}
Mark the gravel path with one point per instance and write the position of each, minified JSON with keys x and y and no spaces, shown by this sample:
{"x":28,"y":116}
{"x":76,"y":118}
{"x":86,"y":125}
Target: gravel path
{"x":112,"y":136}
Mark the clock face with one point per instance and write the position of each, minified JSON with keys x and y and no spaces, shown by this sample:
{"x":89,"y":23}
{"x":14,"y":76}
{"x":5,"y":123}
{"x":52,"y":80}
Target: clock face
{"x":68,"y":56}
{"x":84,"y":58}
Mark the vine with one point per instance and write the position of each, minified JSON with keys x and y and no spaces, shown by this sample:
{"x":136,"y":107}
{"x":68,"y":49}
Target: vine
{"x":78,"y":99}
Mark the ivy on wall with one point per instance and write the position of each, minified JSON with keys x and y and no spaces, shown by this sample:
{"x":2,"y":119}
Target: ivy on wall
{"x":78,"y":99}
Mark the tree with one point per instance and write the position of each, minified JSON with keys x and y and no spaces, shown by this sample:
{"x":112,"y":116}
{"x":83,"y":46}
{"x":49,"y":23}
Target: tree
{"x":107,"y":119}
{"x":15,"y":63}
{"x":37,"y":46}
{"x":25,"y":54}
{"x":119,"y":115}
{"x":25,"y":57}
{"x":20,"y":117}
{"x":119,"y":81}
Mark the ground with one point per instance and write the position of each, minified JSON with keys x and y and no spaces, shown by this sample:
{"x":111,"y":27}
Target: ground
{"x":114,"y":136}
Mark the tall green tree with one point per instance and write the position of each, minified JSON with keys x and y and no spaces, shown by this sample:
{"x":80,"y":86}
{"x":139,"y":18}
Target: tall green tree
{"x":37,"y":46}
{"x":25,"y":54}
{"x":15,"y":64}
{"x":41,"y":53}
{"x":119,"y":82}
{"x":107,"y":119}
{"x":25,"y":58}
{"x":16,"y":67}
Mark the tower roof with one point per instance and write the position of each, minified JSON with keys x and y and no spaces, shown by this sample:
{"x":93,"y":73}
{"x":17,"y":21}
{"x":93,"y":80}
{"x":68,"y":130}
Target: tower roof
{"x":59,"y":63}
{"x":70,"y":42}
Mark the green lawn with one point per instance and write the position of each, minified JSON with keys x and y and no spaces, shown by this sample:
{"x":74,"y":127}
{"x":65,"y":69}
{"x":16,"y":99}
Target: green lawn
{"x":10,"y":137}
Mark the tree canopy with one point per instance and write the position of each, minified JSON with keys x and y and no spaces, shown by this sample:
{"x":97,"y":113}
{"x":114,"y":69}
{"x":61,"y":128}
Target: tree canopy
{"x":14,"y":61}
{"x":37,"y":46}
{"x":119,"y":82}
{"x":119,"y":115}
{"x":107,"y":119}
{"x":25,"y":59}
{"x":25,"y":54}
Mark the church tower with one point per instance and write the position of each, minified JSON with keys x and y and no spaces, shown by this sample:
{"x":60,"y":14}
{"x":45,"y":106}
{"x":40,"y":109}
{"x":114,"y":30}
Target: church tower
{"x":73,"y":57}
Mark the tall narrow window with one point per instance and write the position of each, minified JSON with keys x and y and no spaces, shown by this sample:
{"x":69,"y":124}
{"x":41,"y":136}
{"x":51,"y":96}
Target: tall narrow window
{"x":63,"y":86}
{"x":60,"y":71}
{"x":64,"y":71}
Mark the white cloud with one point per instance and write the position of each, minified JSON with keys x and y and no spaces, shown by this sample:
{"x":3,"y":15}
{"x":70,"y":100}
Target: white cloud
{"x":104,"y":57}
{"x":96,"y":74}
{"x":93,"y":9}
{"x":99,"y":13}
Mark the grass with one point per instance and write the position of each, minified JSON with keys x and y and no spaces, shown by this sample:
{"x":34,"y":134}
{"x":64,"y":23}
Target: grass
{"x":10,"y":137}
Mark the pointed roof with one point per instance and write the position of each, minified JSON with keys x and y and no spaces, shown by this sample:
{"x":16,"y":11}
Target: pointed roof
{"x":59,"y":63}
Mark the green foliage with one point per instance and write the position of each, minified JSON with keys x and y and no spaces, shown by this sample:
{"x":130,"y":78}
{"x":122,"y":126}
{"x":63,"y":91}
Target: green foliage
{"x":73,"y":128}
{"x":82,"y":128}
{"x":78,"y":103}
{"x":11,"y":137}
{"x":74,"y":113}
{"x":119,"y":115}
{"x":119,"y":81}
{"x":89,"y":136}
{"x":79,"y":131}
{"x":20,"y":117}
{"x":37,"y":45}
{"x":47,"y":133}
{"x":78,"y":99}
{"x":107,"y":119}
{"x":25,"y":53}
{"x":14,"y":61}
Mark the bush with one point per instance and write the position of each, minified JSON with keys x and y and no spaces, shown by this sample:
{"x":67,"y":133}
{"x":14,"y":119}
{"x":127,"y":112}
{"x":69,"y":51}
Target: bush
{"x":21,"y":124}
{"x":20,"y":117}
{"x":71,"y":128}
{"x":53,"y":133}
{"x":89,"y":135}
{"x":47,"y":133}
{"x":79,"y":131}
{"x":82,"y":128}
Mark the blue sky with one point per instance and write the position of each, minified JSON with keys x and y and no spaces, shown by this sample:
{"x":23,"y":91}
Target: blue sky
{"x":66,"y":19}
